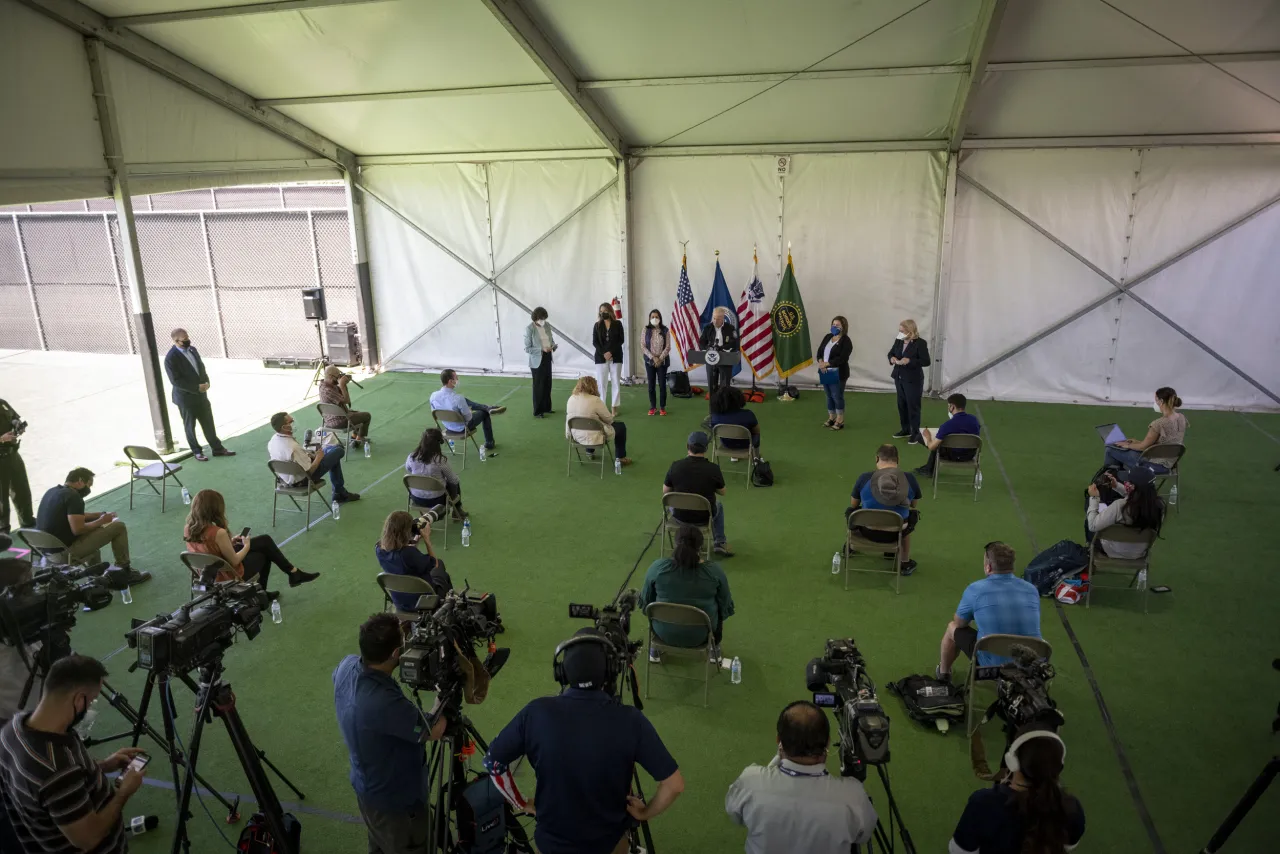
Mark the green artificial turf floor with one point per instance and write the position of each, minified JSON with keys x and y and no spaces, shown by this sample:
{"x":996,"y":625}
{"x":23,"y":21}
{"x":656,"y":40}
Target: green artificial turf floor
{"x":1188,"y":687}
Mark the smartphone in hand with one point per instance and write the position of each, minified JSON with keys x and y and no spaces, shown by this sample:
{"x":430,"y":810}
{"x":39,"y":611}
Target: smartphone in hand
{"x":244,"y":532}
{"x":137,"y":763}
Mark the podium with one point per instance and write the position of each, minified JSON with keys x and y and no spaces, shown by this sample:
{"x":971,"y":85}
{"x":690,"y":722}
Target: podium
{"x":716,"y":358}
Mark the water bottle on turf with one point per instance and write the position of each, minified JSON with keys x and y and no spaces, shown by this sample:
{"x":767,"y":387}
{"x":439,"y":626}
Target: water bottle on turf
{"x":335,"y":509}
{"x":617,"y":466}
{"x":735,"y":671}
{"x":466,"y":533}
{"x":140,"y":824}
{"x":1142,"y":579}
{"x":452,"y":449}
{"x":86,"y":723}
{"x":368,"y":451}
{"x":977,"y":480}
{"x":482,"y":453}
{"x":1173,"y":494}
{"x":276,"y":616}
{"x":835,"y":564}
{"x":126,"y":596}
{"x":186,"y":495}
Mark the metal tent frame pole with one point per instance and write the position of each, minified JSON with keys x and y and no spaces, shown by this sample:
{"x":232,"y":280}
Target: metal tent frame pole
{"x":942,"y":283}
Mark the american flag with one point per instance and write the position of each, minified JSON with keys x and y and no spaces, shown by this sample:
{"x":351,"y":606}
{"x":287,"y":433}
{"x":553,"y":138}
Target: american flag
{"x":756,"y":328}
{"x":684,"y":316}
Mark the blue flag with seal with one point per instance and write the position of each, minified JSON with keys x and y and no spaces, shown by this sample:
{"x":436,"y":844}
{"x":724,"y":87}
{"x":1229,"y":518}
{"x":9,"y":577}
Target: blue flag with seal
{"x":720,"y":298}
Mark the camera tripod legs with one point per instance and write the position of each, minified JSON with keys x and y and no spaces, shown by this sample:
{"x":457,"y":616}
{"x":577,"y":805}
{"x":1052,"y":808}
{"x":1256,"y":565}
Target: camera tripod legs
{"x":1242,"y":807}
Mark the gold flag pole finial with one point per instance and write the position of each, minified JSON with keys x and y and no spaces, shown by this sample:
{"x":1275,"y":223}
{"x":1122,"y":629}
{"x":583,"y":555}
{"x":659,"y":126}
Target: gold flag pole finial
{"x":684,"y":251}
{"x":717,"y":253}
{"x":788,"y":251}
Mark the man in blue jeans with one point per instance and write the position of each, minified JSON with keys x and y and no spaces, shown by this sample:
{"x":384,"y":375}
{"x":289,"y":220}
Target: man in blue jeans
{"x":472,"y":414}
{"x":283,"y":447}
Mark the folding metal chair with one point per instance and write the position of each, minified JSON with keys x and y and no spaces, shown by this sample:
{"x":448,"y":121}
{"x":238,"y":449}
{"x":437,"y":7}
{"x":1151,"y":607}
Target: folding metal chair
{"x":997,"y":645}
{"x":681,"y":615}
{"x":455,"y":436}
{"x":593,"y":425}
{"x":670,"y":524}
{"x":149,"y":470}
{"x":875,"y":520}
{"x":292,"y":481}
{"x":392,"y":583}
{"x":49,"y":550}
{"x":720,"y":432}
{"x":1166,"y":452}
{"x":427,"y":483}
{"x":1101,"y":562}
{"x":333,"y":410}
{"x":959,"y":442}
{"x":198,"y":562}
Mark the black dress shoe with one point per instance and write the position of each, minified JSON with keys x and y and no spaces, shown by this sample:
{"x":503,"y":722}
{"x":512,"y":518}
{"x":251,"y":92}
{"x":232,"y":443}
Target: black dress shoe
{"x":347,"y":496}
{"x":298,"y":577}
{"x":223,"y":452}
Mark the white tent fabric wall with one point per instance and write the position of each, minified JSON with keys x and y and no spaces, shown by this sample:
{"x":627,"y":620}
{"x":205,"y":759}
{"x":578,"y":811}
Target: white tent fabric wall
{"x":1009,"y":282}
{"x":576,"y":265}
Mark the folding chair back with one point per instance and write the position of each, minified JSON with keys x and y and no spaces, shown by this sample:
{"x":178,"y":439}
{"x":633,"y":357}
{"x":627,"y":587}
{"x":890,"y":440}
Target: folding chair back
{"x":670,"y":524}
{"x":1172,"y":452}
{"x":999,"y":645}
{"x":302,"y":486}
{"x":333,"y":410}
{"x":51,"y":550}
{"x":427,"y":483}
{"x":440,"y":416}
{"x":1102,"y":563}
{"x":198,"y":562}
{"x":148,"y":466}
{"x":680,"y":615}
{"x":873,"y":520}
{"x":733,"y":432}
{"x":959,"y":442}
{"x":392,"y":583}
{"x":590,"y":425}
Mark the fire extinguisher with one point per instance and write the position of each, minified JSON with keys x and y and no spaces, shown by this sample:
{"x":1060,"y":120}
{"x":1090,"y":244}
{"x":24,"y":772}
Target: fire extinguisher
{"x":617,"y":308}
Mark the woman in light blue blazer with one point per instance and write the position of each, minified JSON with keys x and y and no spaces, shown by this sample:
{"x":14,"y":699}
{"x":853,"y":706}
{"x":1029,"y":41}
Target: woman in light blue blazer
{"x":539,"y":343}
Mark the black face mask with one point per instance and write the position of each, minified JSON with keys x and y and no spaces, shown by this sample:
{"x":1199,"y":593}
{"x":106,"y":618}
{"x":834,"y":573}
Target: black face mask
{"x":185,"y":343}
{"x":79,"y":716}
{"x":84,"y":491}
{"x":604,"y":315}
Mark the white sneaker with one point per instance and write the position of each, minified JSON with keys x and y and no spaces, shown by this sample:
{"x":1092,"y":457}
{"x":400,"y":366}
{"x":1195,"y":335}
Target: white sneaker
{"x":714,"y":653}
{"x":655,"y":657}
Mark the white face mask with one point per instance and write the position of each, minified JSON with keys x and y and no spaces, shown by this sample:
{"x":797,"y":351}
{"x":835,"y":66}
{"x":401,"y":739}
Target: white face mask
{"x":1156,"y":407}
{"x":950,"y":414}
{"x":902,"y":336}
{"x":653,"y":321}
{"x":540,"y":322}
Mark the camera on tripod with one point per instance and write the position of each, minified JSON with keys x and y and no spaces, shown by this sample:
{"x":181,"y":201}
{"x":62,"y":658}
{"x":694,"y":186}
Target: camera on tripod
{"x":446,"y":627}
{"x":44,"y":607}
{"x":862,"y":723}
{"x":199,"y":631}
{"x":613,"y":621}
{"x":1022,"y":692}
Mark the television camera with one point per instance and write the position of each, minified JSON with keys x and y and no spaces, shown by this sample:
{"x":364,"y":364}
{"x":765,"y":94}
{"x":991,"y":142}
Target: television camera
{"x":199,"y":631}
{"x":1022,"y":692}
{"x":613,"y":622}
{"x":447,"y":630}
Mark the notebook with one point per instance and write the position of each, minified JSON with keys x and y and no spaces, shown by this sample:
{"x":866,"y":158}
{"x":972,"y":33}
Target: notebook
{"x":1110,"y":433}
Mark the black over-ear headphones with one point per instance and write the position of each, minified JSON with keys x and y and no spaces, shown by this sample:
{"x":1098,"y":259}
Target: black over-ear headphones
{"x":557,"y":660}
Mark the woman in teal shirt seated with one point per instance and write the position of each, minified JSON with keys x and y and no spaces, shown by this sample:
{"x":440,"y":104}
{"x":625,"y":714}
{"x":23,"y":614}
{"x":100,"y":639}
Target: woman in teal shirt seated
{"x":686,"y":579}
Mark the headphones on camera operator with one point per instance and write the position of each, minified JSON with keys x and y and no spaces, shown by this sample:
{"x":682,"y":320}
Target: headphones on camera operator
{"x":1011,"y":755}
{"x":604,"y":672}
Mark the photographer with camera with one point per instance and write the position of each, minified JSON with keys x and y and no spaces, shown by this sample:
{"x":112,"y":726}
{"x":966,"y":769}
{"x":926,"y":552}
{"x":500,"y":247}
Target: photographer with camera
{"x":793,"y":804}
{"x":384,"y":733}
{"x":397,"y":553}
{"x":1131,"y":500}
{"x":583,"y":745}
{"x":62,"y":514}
{"x":1028,"y":812}
{"x":1002,"y":604}
{"x":14,"y":486}
{"x":57,"y":796}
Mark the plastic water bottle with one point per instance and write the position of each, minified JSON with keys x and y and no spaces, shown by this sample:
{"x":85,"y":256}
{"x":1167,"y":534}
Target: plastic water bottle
{"x":735,"y":671}
{"x":86,"y":723}
{"x":977,"y":480}
{"x":452,"y":449}
{"x":835,"y":564}
{"x":1173,"y":494}
{"x":466,"y":533}
{"x":617,"y":466}
{"x":140,"y":824}
{"x":368,"y":451}
{"x":276,"y":616}
{"x":186,"y":495}
{"x":933,"y":691}
{"x":336,"y":509}
{"x":1142,"y":579}
{"x":126,"y":596}
{"x":482,"y":453}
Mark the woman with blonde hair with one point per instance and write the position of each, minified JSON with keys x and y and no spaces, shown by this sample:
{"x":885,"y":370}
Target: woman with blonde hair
{"x":250,"y":558}
{"x":585,"y":402}
{"x":909,"y":356}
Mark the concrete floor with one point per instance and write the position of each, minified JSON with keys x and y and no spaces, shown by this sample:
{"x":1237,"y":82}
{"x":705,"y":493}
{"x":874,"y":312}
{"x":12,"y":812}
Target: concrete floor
{"x":84,"y":408}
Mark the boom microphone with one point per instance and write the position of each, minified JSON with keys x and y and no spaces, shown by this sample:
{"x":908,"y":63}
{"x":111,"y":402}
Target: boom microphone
{"x":815,"y":678}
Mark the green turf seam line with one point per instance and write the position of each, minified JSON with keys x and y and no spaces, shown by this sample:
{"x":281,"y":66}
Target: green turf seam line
{"x":1249,"y":421}
{"x":249,"y":799}
{"x":1131,"y":781}
{"x":329,"y":513}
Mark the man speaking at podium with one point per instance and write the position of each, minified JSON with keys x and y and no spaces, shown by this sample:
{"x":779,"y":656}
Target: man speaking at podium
{"x":722,"y":337}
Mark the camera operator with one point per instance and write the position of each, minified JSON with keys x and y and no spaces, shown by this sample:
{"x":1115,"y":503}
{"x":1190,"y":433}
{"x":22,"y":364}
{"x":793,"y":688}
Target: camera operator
{"x":57,"y":797}
{"x":384,"y":733}
{"x":397,"y":553}
{"x":583,"y":745}
{"x":62,"y":514}
{"x":793,"y":804}
{"x":13,"y":472}
{"x":1028,"y":812}
{"x":1002,"y":604}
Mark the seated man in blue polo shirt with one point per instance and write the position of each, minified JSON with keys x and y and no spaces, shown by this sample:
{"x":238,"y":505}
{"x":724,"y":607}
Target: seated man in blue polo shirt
{"x":888,"y":488}
{"x":385,"y":733}
{"x":583,"y":745}
{"x":959,"y":422}
{"x":1001,"y":603}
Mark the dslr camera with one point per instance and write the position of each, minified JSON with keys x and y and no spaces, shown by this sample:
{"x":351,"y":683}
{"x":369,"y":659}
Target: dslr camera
{"x":1022,"y":692}
{"x":198,"y":632}
{"x":840,"y":682}
{"x":446,"y":627}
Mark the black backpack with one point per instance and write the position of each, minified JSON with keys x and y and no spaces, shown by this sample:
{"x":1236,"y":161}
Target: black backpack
{"x":678,"y":384}
{"x":790,"y":390}
{"x":256,"y":837}
{"x":1061,"y":560}
{"x":762,"y":473}
{"x":932,"y":702}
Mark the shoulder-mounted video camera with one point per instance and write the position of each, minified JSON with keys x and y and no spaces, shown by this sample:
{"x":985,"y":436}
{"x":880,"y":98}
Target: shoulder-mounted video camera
{"x":1022,"y":691}
{"x":861,"y":720}
{"x":199,"y":631}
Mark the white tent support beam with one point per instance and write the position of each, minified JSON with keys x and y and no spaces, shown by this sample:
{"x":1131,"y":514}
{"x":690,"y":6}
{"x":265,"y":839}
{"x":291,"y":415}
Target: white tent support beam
{"x":624,"y":256}
{"x":224,"y":167}
{"x":990,"y":14}
{"x":942,"y":283}
{"x":360,"y":260}
{"x":493,"y":266}
{"x":230,"y":11}
{"x":553,"y":229}
{"x":774,"y":76}
{"x":89,"y":23}
{"x":484,"y":157}
{"x":517,"y":22}
{"x":1133,"y":61}
{"x":776,"y":148}
{"x":413,"y":225}
{"x":113,"y":154}
{"x":410,"y":94}
{"x":51,"y":174}
{"x":1142,"y":141}
{"x":439,"y":320}
{"x":1122,"y":290}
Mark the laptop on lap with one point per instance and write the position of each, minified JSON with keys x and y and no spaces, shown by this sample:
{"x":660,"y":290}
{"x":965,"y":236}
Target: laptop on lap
{"x":1110,"y":433}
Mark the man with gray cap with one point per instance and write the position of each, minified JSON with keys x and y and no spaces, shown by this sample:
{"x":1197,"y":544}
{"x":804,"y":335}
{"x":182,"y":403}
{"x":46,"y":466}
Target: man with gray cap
{"x":888,"y":487}
{"x":698,"y":475}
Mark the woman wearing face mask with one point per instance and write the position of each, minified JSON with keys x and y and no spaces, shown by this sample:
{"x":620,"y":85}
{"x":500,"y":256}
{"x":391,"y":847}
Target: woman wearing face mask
{"x":539,"y":344}
{"x":657,"y":358}
{"x":909,"y":356}
{"x":606,"y":337}
{"x":833,"y":370}
{"x":1169,"y":429}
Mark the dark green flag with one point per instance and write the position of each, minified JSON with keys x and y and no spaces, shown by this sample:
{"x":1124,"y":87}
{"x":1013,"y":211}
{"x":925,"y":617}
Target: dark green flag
{"x":792,"y":350}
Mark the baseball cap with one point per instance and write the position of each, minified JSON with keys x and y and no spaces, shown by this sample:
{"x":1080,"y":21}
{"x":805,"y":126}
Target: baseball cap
{"x":698,"y":439}
{"x":890,"y":487}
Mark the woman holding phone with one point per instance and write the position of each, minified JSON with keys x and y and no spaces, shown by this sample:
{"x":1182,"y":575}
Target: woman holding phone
{"x":207,"y":532}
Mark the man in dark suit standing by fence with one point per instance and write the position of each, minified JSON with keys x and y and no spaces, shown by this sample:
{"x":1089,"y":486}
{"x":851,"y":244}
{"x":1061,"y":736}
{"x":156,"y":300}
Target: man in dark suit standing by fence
{"x":190,"y":383}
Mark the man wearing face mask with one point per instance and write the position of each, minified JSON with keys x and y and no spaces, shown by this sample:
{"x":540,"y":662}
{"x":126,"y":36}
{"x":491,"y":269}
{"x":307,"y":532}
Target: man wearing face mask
{"x":190,"y":383}
{"x":723,"y":336}
{"x":58,"y":797}
{"x":62,"y":514}
{"x":960,"y":423}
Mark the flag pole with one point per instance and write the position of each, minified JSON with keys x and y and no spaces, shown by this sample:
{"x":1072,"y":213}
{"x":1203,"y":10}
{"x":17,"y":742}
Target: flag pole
{"x":755,"y":265}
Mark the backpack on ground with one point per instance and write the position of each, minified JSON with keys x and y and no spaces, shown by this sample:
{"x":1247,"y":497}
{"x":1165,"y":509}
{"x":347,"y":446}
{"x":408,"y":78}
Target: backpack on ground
{"x":482,"y":824}
{"x":788,"y":392}
{"x":678,"y":384}
{"x":762,"y":473}
{"x":1060,"y":561}
{"x":932,"y":702}
{"x":256,"y":837}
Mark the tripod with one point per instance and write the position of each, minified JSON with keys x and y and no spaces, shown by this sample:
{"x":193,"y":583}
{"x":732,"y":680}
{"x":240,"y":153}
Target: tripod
{"x":320,"y":365}
{"x":216,"y":699}
{"x":884,"y":838}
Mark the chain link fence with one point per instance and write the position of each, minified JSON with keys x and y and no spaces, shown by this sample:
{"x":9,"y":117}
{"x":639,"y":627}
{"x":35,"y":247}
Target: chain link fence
{"x":228,"y":265}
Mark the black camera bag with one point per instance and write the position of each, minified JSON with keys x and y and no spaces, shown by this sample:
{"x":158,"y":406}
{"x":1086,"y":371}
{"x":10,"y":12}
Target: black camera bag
{"x":946,"y":704}
{"x":678,"y":384}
